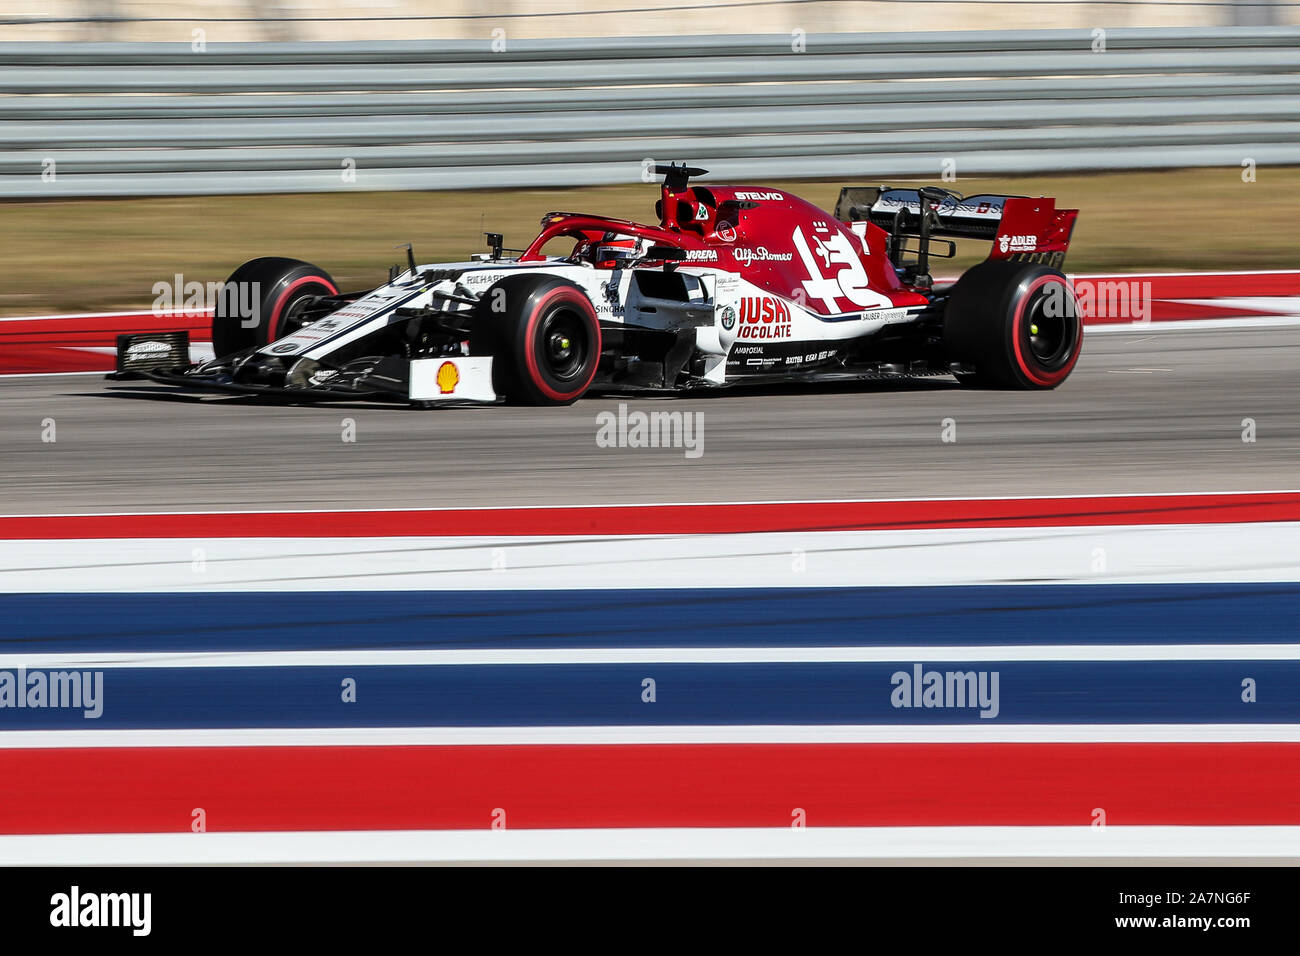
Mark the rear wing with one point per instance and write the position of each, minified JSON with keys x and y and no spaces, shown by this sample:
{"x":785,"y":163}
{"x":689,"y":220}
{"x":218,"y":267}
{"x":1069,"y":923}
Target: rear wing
{"x":1020,"y":228}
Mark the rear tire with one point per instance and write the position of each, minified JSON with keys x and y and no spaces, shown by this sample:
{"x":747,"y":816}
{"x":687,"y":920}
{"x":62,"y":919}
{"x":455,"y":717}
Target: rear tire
{"x":256,"y":304}
{"x":545,"y":343}
{"x":1017,"y":323}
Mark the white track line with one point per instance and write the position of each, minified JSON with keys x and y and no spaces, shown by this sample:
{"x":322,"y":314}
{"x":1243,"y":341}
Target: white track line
{"x":109,"y":315}
{"x":1249,"y":552}
{"x":630,"y":735}
{"x":653,"y":655}
{"x":691,"y":843}
{"x":1206,"y":325}
{"x":8,"y":375}
{"x":1176,"y":325}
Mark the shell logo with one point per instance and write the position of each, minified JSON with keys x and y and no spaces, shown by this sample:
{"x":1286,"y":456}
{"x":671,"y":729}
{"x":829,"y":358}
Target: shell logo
{"x":448,"y":377}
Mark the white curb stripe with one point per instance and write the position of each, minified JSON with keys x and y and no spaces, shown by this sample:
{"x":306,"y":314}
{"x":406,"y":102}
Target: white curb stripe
{"x":691,"y":843}
{"x":675,"y":734}
{"x":1259,"y":552}
{"x":653,"y":655}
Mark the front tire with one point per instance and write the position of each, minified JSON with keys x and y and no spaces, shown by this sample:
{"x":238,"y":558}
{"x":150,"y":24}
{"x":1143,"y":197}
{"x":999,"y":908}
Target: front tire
{"x":1017,"y":323}
{"x":256,"y":305}
{"x":545,"y":342}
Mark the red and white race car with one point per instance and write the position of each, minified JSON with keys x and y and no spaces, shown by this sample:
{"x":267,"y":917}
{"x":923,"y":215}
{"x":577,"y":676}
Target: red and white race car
{"x":734,"y":284}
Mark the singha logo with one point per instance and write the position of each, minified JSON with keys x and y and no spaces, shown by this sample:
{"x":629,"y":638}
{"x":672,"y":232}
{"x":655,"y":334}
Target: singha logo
{"x":611,"y":294}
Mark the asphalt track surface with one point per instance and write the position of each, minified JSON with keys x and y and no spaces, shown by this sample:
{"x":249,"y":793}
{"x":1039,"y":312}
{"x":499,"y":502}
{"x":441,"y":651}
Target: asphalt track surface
{"x":1144,"y":412}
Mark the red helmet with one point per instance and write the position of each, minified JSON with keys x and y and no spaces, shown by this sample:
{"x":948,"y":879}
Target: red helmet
{"x":611,"y":251}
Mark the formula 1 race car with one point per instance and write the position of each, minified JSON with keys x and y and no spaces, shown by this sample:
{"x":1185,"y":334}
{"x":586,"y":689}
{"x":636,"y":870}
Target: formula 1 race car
{"x":736,"y":284}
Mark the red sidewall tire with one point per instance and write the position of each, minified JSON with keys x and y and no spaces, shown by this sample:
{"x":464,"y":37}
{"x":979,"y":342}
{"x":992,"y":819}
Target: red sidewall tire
{"x":985,"y":326}
{"x":274,"y":325}
{"x":279,"y":283}
{"x":574,"y":297}
{"x":514,"y":337}
{"x":1026,"y":368}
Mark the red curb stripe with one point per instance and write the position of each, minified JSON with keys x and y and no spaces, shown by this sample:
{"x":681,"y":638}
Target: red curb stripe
{"x":141,"y":790}
{"x":1209,"y":285}
{"x":675,"y":518}
{"x":53,"y":343}
{"x":1173,"y":311}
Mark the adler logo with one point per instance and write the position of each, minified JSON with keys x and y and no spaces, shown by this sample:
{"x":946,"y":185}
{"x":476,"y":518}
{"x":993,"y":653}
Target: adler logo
{"x":76,"y":908}
{"x":760,"y":197}
{"x":1017,"y":243}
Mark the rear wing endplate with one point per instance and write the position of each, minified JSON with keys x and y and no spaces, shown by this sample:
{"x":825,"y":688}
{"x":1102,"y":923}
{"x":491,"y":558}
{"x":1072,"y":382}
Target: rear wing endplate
{"x":1020,"y":227}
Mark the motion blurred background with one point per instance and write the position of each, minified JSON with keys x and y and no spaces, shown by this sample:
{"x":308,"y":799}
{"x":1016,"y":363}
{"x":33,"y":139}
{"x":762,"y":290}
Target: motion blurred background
{"x":150,"y":139}
{"x":143,"y":143}
{"x":391,"y":19}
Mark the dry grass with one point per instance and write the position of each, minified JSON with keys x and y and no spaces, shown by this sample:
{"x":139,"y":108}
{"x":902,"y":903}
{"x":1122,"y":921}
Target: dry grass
{"x":95,"y":255}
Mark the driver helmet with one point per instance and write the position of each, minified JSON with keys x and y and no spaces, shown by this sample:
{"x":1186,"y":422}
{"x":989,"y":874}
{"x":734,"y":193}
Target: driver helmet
{"x":611,"y":251}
